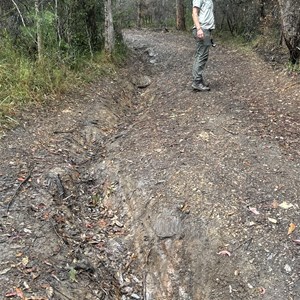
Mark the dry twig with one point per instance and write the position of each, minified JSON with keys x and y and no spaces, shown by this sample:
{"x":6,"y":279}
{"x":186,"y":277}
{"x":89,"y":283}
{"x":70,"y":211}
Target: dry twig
{"x":13,"y":198}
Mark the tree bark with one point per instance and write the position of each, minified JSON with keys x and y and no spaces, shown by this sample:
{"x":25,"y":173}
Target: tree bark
{"x":180,"y":15}
{"x":290,"y":20}
{"x":109,"y":28}
{"x":57,"y":25}
{"x":38,"y":31}
{"x":139,"y":14}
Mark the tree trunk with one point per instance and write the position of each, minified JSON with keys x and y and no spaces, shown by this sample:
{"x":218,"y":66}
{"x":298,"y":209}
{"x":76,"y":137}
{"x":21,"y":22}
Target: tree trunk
{"x":139,"y":14}
{"x":57,"y":19}
{"x":109,"y":28}
{"x":180,"y":17}
{"x":38,"y":31}
{"x":290,"y":20}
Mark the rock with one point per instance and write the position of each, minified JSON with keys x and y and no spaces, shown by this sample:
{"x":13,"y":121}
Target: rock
{"x":287,"y":268}
{"x":166,"y":225}
{"x":141,"y":81}
{"x":59,"y":181}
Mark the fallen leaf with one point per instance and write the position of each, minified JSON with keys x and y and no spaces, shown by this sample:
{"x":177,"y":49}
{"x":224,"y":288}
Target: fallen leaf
{"x":288,"y":268}
{"x":29,"y":270}
{"x":292,"y":227}
{"x":262,"y":290}
{"x":275,"y":204}
{"x":25,"y":261}
{"x":46,"y":216}
{"x":272,"y":220}
{"x":20,"y":293}
{"x":35,"y":275}
{"x":48,"y":263}
{"x":5,"y":271}
{"x":119,"y":224}
{"x":254,"y":210}
{"x":72,"y":275}
{"x":251,"y":223}
{"x":297,"y":242}
{"x":102,"y":223}
{"x":286,"y":205}
{"x":49,"y":292}
{"x":10,"y":294}
{"x":89,"y":225}
{"x":26,"y":286}
{"x":224,"y":253}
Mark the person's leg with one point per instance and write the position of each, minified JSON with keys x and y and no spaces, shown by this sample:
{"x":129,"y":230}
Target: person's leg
{"x":200,"y":60}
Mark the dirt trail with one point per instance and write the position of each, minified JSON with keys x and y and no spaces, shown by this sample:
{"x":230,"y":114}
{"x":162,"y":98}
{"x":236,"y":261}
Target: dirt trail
{"x":157,"y":192}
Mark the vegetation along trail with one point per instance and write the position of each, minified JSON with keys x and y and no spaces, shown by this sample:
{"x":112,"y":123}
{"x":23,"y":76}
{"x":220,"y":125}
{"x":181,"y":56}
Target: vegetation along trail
{"x":140,"y":188}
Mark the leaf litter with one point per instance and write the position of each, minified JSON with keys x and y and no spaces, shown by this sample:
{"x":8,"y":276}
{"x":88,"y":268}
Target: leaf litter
{"x":88,"y":208}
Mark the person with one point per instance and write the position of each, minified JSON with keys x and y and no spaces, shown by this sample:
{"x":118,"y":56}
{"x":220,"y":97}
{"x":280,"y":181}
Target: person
{"x":204,"y":23}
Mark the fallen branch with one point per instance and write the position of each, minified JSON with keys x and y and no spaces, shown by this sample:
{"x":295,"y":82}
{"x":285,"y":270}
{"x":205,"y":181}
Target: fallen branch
{"x":289,"y":86}
{"x":259,"y":202}
{"x":13,"y":198}
{"x":59,"y":292}
{"x":249,"y":241}
{"x":17,"y":8}
{"x":229,"y":131}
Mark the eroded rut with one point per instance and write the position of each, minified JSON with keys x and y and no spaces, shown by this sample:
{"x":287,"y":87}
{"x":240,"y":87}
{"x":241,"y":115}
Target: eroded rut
{"x":191,"y":197}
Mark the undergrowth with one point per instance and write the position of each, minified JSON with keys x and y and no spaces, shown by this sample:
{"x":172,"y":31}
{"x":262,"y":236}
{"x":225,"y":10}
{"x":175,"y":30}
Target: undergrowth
{"x":24,"y":80}
{"x":268,"y":47}
{"x":233,"y":41}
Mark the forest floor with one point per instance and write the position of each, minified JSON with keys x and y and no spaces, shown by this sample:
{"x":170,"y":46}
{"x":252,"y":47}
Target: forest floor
{"x":137,"y":187}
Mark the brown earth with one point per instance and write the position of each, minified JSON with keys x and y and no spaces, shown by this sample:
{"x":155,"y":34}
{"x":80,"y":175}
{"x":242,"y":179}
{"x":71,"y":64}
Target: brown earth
{"x":140,"y":188}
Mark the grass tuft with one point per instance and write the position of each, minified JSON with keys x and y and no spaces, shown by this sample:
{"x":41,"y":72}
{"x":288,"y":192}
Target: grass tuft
{"x":24,"y":81}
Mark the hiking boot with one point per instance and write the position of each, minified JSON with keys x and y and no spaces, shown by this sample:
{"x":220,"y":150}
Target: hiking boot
{"x":200,"y":86}
{"x":204,"y":83}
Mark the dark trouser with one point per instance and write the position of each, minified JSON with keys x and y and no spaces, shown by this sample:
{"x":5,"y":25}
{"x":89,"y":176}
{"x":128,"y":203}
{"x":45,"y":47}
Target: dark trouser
{"x":201,"y":54}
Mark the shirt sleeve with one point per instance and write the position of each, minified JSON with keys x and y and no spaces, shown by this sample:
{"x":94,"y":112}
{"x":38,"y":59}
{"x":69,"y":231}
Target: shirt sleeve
{"x":197,"y":3}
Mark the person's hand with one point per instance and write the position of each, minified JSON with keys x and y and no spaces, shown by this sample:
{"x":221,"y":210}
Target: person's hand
{"x":200,"y":34}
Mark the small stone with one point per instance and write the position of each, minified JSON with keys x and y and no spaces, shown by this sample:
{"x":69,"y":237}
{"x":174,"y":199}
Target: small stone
{"x":119,"y":224}
{"x":251,"y":223}
{"x":272,"y":220}
{"x":135,"y":296}
{"x":127,"y":290}
{"x":287,"y":268}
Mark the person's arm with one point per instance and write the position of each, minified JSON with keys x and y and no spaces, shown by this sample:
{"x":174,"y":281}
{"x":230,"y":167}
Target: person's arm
{"x":195,"y":16}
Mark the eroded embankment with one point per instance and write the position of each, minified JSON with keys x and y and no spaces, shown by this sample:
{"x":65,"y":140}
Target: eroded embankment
{"x":59,"y":236}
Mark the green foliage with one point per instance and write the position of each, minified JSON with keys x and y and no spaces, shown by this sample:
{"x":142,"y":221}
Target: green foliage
{"x":188,"y":14}
{"x":23,"y":80}
{"x":121,"y":51}
{"x":72,"y":275}
{"x":234,"y":42}
{"x":293,"y":68}
{"x":72,"y":52}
